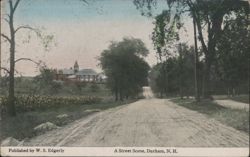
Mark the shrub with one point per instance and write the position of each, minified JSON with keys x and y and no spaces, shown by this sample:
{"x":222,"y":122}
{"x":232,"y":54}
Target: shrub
{"x":94,"y":87}
{"x":33,"y":102}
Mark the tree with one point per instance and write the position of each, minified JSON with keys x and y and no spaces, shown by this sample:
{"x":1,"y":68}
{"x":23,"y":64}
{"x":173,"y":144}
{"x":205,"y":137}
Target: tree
{"x":125,"y":67}
{"x":174,"y":76}
{"x":208,"y":16}
{"x":165,"y":82}
{"x":164,"y":36}
{"x":234,"y":51}
{"x":11,"y":40}
{"x":46,"y":83}
{"x":185,"y":63}
{"x":13,"y":5}
{"x":212,"y":14}
{"x":45,"y":78}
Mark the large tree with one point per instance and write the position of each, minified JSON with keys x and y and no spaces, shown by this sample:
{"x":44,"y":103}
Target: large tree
{"x":11,"y":39}
{"x":234,"y":50}
{"x":123,"y":63}
{"x":208,"y":16}
{"x":185,"y":68}
{"x":174,"y":76}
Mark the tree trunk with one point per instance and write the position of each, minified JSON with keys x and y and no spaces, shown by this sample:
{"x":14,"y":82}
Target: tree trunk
{"x":166,"y":88}
{"x":121,"y":96}
{"x":234,"y":93}
{"x":116,"y":90}
{"x":181,"y":84}
{"x":228,"y":92}
{"x":207,"y":83}
{"x":11,"y":98}
{"x":161,"y":94}
{"x":116,"y":94}
{"x":181,"y":93}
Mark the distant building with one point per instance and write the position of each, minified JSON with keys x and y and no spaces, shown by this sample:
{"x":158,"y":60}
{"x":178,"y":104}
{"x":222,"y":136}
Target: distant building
{"x":76,"y":75}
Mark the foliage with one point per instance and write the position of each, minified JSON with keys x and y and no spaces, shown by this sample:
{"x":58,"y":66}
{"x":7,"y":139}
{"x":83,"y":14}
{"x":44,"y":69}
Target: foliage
{"x":3,"y":85}
{"x":210,"y":18}
{"x":175,"y":75}
{"x":33,"y":86}
{"x":233,"y":47}
{"x":165,"y":33}
{"x":185,"y":69}
{"x":11,"y":39}
{"x":45,"y":82}
{"x":36,"y":102}
{"x":125,"y":67}
{"x":80,"y":86}
{"x":94,"y":87}
{"x":46,"y":77}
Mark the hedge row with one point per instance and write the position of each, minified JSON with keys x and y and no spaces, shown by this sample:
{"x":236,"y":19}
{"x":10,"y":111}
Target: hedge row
{"x":33,"y":102}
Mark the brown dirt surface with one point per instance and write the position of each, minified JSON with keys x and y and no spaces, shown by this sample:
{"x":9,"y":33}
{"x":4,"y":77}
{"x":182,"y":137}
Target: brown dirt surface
{"x":147,"y":122}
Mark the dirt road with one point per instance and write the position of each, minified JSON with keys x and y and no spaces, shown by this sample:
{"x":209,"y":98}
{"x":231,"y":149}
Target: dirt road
{"x":147,"y":122}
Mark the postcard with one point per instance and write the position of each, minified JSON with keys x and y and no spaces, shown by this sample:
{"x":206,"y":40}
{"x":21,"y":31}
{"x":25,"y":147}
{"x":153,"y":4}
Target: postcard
{"x":124,"y":78}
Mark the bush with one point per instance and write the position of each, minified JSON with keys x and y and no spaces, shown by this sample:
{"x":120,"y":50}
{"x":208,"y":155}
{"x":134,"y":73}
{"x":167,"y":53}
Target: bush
{"x":94,"y":87}
{"x":33,"y":102}
{"x":56,"y":87}
{"x":80,"y":86}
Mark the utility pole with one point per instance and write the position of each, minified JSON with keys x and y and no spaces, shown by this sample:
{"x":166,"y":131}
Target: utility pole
{"x":0,"y":59}
{"x":1,"y":44}
{"x":196,"y":61}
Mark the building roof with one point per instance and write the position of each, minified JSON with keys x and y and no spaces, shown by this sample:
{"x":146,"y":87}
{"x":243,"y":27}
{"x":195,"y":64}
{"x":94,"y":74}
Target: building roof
{"x":86,"y":72}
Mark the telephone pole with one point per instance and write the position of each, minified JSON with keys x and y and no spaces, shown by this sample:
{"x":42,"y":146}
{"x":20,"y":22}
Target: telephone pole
{"x":196,"y":61}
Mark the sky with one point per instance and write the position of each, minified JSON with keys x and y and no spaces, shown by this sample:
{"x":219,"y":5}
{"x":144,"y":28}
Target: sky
{"x":81,"y":31}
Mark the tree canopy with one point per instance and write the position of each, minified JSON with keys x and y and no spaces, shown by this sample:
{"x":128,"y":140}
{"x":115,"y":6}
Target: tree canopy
{"x":123,"y":63}
{"x":212,"y":19}
{"x":175,"y":74}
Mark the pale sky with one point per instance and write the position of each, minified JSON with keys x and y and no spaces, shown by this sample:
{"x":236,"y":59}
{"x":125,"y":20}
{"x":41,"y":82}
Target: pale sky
{"x":81,"y":31}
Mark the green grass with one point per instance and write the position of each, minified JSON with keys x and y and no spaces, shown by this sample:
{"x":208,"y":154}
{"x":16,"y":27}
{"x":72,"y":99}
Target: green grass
{"x":28,"y":86}
{"x":25,"y":103}
{"x":241,"y":98}
{"x":238,"y":119}
{"x":21,"y":126}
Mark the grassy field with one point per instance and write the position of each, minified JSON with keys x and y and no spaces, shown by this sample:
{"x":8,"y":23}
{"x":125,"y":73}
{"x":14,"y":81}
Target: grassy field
{"x":36,"y":105}
{"x":240,"y":98}
{"x":238,"y":119}
{"x":28,"y":86}
{"x":21,"y":126}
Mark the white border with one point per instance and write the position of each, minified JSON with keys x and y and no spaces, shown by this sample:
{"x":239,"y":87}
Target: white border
{"x":124,"y":151}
